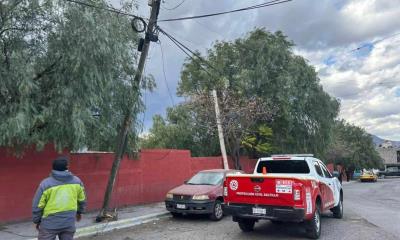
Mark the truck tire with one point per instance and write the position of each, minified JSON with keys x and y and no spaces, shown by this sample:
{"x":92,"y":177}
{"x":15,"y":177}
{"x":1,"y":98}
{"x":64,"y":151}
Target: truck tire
{"x":276,"y":222}
{"x":176,"y":215}
{"x":217,"y":213}
{"x":313,"y":227}
{"x":338,"y":210}
{"x":246,"y":225}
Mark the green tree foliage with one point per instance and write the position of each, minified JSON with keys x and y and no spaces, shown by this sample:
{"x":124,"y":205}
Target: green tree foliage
{"x":66,"y":73}
{"x":181,"y":130}
{"x":259,"y":142}
{"x":262,"y":66}
{"x":353,"y":148}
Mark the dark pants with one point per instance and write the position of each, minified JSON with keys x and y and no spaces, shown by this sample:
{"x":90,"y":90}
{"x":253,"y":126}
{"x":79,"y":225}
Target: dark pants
{"x":50,"y":234}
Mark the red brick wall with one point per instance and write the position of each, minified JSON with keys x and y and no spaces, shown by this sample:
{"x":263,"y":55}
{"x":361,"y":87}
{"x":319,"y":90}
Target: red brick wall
{"x":143,"y":180}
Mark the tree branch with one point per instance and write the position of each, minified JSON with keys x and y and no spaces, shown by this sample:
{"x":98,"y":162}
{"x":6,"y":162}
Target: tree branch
{"x":47,"y":70}
{"x":12,"y":28}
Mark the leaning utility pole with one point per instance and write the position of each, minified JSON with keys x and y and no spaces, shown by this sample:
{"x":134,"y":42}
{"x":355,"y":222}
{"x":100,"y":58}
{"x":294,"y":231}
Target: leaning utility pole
{"x":127,"y":120}
{"x":220,"y":131}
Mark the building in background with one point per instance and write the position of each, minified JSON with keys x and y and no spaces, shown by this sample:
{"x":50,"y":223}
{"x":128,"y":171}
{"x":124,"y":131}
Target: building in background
{"x":389,"y":153}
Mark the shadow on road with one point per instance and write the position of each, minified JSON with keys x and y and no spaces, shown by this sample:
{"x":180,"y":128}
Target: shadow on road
{"x":263,"y":228}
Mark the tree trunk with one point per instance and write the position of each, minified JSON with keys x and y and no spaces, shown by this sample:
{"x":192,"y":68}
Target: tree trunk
{"x":236,"y":155}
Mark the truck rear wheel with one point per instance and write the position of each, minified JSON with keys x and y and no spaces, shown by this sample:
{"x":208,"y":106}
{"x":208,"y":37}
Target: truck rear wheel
{"x":176,"y":215}
{"x":246,"y":225}
{"x":314,"y":225}
{"x":276,"y":222}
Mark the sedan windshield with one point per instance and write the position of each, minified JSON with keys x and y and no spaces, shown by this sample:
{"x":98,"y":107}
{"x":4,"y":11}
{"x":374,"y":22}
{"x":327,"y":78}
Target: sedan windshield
{"x":206,"y":178}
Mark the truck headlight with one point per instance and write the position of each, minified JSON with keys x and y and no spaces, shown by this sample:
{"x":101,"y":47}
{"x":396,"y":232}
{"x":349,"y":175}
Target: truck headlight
{"x":200,"y":197}
{"x":169,"y":196}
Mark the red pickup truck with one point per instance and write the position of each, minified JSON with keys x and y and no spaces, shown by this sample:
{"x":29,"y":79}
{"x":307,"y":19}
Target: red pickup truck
{"x":284,"y":188}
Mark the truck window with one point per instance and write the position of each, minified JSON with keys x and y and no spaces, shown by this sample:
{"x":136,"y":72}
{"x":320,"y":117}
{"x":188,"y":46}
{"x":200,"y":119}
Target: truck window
{"x":284,"y":166}
{"x":326,"y":172}
{"x":318,"y":169}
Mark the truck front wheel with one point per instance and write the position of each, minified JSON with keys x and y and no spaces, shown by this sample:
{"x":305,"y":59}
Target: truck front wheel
{"x":246,"y":225}
{"x":338,"y":210}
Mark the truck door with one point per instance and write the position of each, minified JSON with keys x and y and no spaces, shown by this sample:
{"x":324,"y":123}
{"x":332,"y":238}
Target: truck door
{"x":323,"y":185}
{"x":332,"y":193}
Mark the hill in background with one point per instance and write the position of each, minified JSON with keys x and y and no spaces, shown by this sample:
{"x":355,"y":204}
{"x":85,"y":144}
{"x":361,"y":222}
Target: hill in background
{"x":378,"y":141}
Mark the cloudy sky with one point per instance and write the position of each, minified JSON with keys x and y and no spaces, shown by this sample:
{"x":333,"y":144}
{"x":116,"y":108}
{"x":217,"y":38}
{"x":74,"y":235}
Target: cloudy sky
{"x":367,"y":81}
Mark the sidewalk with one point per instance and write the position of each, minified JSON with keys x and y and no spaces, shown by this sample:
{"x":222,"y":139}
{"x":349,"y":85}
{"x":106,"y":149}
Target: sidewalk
{"x":127,"y":217}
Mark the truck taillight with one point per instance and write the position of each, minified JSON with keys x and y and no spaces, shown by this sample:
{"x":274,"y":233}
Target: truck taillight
{"x":225,"y":191}
{"x":297,"y":195}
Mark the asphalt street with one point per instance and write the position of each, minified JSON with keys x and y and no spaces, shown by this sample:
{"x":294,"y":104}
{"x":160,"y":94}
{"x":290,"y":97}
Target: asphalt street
{"x":372,"y":211}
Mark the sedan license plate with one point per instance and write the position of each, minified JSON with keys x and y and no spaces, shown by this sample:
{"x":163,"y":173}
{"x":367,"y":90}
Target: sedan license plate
{"x":259,"y":211}
{"x":181,"y":206}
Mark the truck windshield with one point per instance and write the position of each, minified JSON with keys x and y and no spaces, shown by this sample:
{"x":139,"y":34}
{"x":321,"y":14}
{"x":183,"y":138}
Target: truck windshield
{"x":206,"y":178}
{"x":284,"y":166}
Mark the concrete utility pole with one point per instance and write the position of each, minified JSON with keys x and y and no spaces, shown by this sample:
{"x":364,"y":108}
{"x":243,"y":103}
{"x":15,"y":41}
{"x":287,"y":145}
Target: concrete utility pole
{"x":220,"y":131}
{"x":127,"y":121}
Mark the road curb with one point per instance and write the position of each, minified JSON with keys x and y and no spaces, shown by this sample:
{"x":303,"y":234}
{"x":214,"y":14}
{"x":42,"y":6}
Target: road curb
{"x":116,"y":225}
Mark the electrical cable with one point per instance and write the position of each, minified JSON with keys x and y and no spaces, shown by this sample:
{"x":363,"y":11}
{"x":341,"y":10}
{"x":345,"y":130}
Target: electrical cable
{"x":181,"y":45}
{"x":266,"y":4}
{"x":173,"y":8}
{"x":185,"y":51}
{"x":375,"y":42}
{"x":109,"y":9}
{"x":165,"y":76}
{"x":208,"y":29}
{"x":145,"y":98}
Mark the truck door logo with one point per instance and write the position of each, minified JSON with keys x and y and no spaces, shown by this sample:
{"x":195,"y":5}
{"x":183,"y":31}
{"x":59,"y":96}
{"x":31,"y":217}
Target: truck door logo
{"x":234,"y":185}
{"x":257,"y":188}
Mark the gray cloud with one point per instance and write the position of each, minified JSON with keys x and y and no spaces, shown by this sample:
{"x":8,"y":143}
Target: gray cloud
{"x":321,"y":30}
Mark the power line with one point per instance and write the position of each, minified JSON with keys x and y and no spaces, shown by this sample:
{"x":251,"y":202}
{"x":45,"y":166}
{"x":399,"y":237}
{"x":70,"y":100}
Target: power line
{"x":173,"y":8}
{"x":109,"y":9}
{"x":375,"y":42}
{"x":144,"y":98}
{"x":187,"y":51}
{"x":192,"y":52}
{"x":207,"y":28}
{"x":266,"y":4}
{"x":165,"y":76}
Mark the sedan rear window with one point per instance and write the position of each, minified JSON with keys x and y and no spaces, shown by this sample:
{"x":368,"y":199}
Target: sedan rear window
{"x":284,"y":166}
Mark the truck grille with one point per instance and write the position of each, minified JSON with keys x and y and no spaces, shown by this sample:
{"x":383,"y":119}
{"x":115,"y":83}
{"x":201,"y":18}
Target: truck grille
{"x":182,"y":197}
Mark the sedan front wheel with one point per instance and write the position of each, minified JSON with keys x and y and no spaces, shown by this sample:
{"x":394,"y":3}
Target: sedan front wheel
{"x":217,"y":213}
